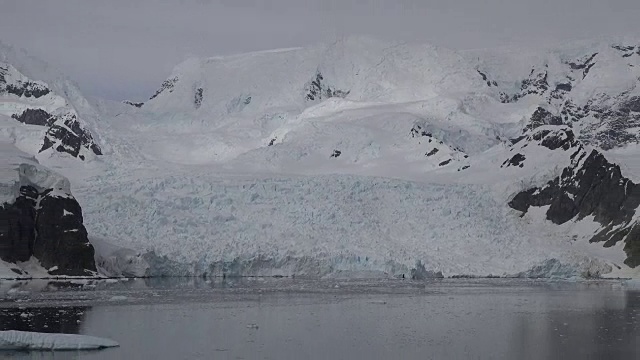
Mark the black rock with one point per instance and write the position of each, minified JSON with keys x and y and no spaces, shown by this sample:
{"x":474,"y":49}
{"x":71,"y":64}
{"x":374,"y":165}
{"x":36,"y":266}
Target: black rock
{"x":317,"y":90}
{"x":72,"y":137}
{"x":516,"y":160}
{"x":418,"y":131}
{"x":336,"y":153}
{"x":135,"y":104}
{"x":197,"y":101}
{"x":564,"y":87}
{"x":583,"y":65}
{"x":167,"y":85}
{"x":49,"y":228}
{"x":623,"y":48}
{"x":27,"y":89}
{"x":542,"y":117}
{"x":591,"y":186}
{"x":35,"y":117}
{"x":432,"y":152}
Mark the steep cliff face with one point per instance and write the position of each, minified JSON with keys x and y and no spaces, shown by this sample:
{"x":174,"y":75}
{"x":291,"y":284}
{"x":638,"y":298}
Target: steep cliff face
{"x":590,"y":186}
{"x":42,"y":220}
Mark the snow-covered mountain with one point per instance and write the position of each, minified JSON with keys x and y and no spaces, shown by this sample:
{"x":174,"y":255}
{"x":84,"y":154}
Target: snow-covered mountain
{"x":363,"y":157}
{"x":48,"y":109}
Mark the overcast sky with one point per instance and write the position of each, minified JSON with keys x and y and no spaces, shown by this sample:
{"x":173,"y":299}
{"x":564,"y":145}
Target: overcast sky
{"x":123,"y":49}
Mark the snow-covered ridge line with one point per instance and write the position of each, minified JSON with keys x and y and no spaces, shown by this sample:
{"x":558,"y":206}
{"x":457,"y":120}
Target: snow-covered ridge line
{"x":34,"y":94}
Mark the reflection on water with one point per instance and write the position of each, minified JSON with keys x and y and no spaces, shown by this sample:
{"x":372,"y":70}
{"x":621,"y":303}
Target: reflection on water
{"x":266,"y":319}
{"x":43,"y":319}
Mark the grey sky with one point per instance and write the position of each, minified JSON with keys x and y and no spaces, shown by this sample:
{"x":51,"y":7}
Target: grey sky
{"x":125,"y":48}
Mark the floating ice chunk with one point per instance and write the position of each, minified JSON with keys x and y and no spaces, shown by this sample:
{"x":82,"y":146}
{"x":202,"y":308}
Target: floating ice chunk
{"x":23,"y":340}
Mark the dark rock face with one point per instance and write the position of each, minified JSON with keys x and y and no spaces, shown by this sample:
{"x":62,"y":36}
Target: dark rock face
{"x":135,"y":104}
{"x":564,"y":87}
{"x":3,"y":74}
{"x":17,"y":229}
{"x":490,"y":83}
{"x":35,"y":117}
{"x":27,"y":89}
{"x":317,"y":90}
{"x":551,"y":137}
{"x":70,"y":138}
{"x":591,"y":186}
{"x":167,"y":85}
{"x":197,"y":101}
{"x":49,"y":228}
{"x":418,"y":131}
{"x":21,"y":88}
{"x":615,"y":115}
{"x":585,"y":65}
{"x":542,"y":117}
{"x":559,"y":139}
{"x":516,"y":160}
{"x":432,"y":152}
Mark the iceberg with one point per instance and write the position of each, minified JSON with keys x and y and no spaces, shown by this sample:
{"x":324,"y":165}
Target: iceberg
{"x":24,"y":340}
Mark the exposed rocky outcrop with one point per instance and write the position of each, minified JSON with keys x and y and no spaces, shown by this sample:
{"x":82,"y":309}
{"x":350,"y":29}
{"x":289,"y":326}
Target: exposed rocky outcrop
{"x":197,"y":100}
{"x":167,"y":85}
{"x":318,"y":90}
{"x":27,"y":89}
{"x":542,"y":117}
{"x":516,"y":160}
{"x":432,"y":152}
{"x":536,"y":83}
{"x":46,"y":224}
{"x":65,"y":132}
{"x":584,"y":65}
{"x":490,"y":83}
{"x":591,"y":186}
{"x":21,"y":88}
{"x":67,"y":135}
{"x":615,"y":116}
{"x":35,"y":117}
{"x":134,"y":104}
{"x":606,"y":120}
